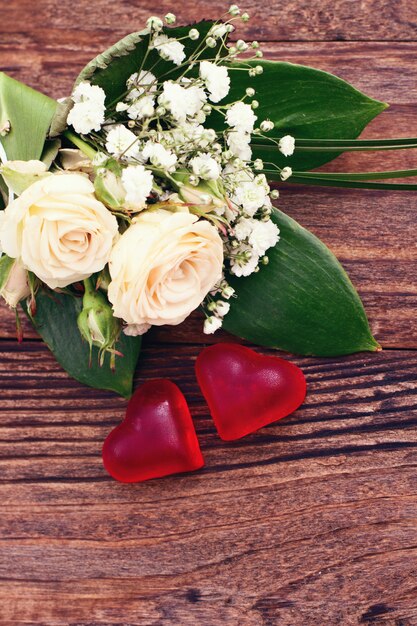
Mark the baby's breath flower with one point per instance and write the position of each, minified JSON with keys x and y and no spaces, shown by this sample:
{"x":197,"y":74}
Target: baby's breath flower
{"x":250,"y":92}
{"x":138,"y":183}
{"x":243,"y":262}
{"x":121,"y":107}
{"x":159,"y":156}
{"x":285,"y":173}
{"x":251,"y":192}
{"x":193,"y":180}
{"x":274,"y":194}
{"x":194,"y":34}
{"x":217,"y":80}
{"x":88,"y":111}
{"x":218,"y":30}
{"x":120,"y":141}
{"x":222,"y":308}
{"x":181,"y":102}
{"x":139,"y":83}
{"x":255,"y":104}
{"x":169,"y":49}
{"x":155,"y":23}
{"x":264,"y":235}
{"x":241,"y":117}
{"x":234,"y":10}
{"x":245,"y":17}
{"x":227,"y":291}
{"x":204,"y":166}
{"x":85,"y":117}
{"x":258,"y":164}
{"x":239,"y":146}
{"x":266,"y":126}
{"x":211,"y":42}
{"x":211,"y":324}
{"x":85,"y":92}
{"x":259,"y":70}
{"x":286,"y":145}
{"x":170,"y":18}
{"x":144,"y":107}
{"x":241,"y":45}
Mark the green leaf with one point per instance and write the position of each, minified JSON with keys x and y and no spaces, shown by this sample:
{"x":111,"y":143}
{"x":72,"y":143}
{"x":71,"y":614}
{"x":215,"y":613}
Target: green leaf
{"x":29,"y":113}
{"x":305,"y":103}
{"x":302,"y":301}
{"x":111,"y":69}
{"x":56,"y":322}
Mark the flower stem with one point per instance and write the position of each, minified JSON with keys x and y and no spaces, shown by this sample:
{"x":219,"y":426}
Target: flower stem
{"x":85,"y":147}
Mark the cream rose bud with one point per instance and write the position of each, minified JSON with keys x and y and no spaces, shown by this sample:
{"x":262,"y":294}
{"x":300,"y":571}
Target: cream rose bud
{"x":163,"y":266}
{"x":14,"y":285}
{"x":59,"y":230}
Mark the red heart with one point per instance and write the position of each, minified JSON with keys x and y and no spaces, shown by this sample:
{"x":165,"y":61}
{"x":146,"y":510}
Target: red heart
{"x":156,"y":438}
{"x":245,"y":390}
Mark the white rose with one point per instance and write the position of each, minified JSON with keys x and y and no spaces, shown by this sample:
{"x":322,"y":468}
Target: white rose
{"x":61,"y":232}
{"x":163,"y":266}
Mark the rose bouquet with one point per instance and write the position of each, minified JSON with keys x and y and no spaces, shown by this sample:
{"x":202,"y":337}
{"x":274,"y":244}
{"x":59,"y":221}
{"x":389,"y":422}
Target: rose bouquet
{"x":146,"y":194}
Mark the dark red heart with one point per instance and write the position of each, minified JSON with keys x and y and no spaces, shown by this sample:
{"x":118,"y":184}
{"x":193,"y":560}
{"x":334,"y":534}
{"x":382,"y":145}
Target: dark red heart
{"x":245,"y":390}
{"x":156,"y":438}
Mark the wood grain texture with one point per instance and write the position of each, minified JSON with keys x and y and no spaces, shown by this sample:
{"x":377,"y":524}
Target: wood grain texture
{"x":53,"y":22}
{"x":309,"y":522}
{"x":324,"y":500}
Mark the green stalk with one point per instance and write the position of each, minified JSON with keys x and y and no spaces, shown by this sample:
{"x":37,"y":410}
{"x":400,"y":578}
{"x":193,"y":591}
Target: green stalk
{"x":358,"y":175}
{"x":81,"y":144}
{"x":339,"y":145}
{"x":351,"y":184}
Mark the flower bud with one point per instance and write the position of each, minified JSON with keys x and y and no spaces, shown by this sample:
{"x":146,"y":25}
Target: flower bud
{"x":170,"y":18}
{"x":212,"y":324}
{"x":155,"y":23}
{"x":14,"y":284}
{"x":109,"y":189}
{"x":194,"y":34}
{"x":97,"y":324}
{"x":208,"y":193}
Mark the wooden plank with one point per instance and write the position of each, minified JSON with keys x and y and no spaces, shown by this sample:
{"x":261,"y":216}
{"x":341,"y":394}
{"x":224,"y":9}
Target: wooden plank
{"x":328,"y":20}
{"x":390,"y":66}
{"x":309,"y":521}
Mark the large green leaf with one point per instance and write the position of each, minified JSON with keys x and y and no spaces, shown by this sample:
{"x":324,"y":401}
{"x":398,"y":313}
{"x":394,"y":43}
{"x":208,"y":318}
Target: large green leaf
{"x":29,"y":113}
{"x":305,"y":103}
{"x":302,"y":301}
{"x":56,"y":322}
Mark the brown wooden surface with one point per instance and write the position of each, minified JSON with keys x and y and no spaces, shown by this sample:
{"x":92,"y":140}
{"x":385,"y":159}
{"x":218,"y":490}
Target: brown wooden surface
{"x":309,"y":522}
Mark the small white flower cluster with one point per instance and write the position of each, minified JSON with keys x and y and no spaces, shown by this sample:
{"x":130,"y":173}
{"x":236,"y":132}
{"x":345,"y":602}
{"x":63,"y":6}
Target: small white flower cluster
{"x":88,"y":111}
{"x":168,"y":153}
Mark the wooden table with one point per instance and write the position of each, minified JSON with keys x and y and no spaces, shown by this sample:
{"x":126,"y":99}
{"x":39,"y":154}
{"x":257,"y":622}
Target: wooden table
{"x":309,"y":522}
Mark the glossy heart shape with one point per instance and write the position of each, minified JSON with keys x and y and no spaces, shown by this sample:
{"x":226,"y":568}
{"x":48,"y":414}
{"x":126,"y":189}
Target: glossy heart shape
{"x":156,"y":438}
{"x":245,"y":390}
